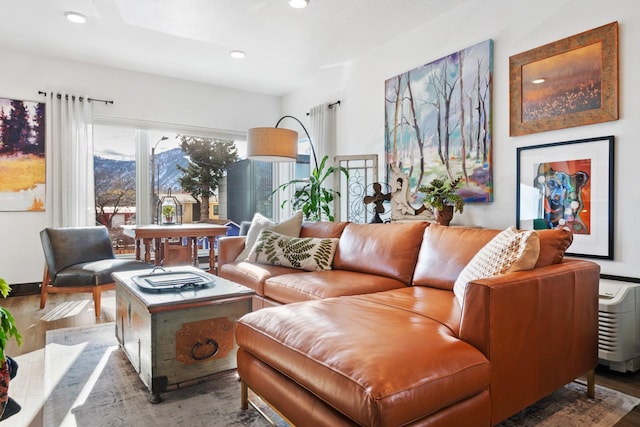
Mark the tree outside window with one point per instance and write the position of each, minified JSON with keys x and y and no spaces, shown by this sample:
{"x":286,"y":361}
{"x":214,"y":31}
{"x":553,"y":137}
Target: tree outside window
{"x":208,"y":161}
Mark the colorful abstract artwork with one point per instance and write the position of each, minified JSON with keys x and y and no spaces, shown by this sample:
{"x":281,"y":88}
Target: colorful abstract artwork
{"x":22,"y":155}
{"x":569,"y":185}
{"x":438,"y":123}
{"x":566,"y":200}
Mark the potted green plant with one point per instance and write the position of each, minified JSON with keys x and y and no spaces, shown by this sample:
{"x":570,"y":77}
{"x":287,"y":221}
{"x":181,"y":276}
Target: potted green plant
{"x":168,"y":212}
{"x":311,"y":195}
{"x":441,"y":195}
{"x":8,"y":330}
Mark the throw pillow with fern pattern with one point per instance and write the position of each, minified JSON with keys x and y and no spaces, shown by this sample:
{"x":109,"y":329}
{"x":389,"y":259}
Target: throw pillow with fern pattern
{"x":304,"y":253}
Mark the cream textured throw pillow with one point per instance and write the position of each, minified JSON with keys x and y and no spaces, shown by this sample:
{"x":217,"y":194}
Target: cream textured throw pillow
{"x":289,"y":227}
{"x":511,"y":250}
{"x":304,"y":253}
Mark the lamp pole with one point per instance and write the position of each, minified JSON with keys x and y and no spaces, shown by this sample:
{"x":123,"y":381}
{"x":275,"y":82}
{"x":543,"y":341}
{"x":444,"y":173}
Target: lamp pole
{"x":153,"y":174}
{"x":313,"y":150}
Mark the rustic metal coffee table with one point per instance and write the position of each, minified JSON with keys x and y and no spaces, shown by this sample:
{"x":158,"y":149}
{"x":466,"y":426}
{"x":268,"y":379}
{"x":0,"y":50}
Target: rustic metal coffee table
{"x":177,"y":325}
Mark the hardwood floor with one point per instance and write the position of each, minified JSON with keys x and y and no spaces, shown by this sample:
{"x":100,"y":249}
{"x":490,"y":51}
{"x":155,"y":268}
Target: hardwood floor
{"x":72,"y":310}
{"x":628,"y":383}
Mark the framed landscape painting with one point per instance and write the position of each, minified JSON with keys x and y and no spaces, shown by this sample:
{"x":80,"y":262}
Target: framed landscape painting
{"x":438,"y":123}
{"x":569,"y":185}
{"x":22,"y":155}
{"x":571,"y":82}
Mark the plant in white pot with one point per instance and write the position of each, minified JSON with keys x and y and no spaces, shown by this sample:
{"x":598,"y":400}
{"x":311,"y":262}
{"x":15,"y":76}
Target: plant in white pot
{"x":8,"y":330}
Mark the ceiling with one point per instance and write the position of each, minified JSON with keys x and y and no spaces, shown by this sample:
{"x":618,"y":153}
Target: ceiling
{"x":191,"y":39}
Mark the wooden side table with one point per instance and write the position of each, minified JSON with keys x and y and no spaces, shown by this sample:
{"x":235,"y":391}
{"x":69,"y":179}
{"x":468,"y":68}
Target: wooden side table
{"x":160,"y":235}
{"x":174,"y":337}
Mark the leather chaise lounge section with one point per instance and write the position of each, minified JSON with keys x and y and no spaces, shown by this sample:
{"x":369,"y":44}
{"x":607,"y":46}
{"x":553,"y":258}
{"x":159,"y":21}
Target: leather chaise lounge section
{"x":381,"y":340}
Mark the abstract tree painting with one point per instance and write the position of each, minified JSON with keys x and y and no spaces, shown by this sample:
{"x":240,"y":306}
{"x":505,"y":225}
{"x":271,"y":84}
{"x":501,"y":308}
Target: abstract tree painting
{"x":22,"y":155}
{"x":438,"y":122}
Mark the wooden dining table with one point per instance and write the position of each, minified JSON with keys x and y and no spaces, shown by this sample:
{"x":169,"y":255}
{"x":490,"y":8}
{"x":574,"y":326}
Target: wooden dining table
{"x":156,"y":238}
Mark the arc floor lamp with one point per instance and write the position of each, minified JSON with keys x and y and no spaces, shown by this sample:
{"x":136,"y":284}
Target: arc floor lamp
{"x":276,"y":144}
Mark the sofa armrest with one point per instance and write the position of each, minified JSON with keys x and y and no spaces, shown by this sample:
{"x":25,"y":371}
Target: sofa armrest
{"x":229,"y":247}
{"x":539,"y":329}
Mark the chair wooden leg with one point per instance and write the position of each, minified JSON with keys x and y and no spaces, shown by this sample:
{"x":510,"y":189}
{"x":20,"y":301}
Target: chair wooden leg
{"x":44,"y":290}
{"x":96,"y":300}
{"x":591,"y":384}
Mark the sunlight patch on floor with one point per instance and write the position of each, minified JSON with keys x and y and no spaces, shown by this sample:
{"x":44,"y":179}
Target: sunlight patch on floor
{"x":71,"y":354}
{"x":108,"y":304}
{"x":69,"y":419}
{"x":67,"y":309}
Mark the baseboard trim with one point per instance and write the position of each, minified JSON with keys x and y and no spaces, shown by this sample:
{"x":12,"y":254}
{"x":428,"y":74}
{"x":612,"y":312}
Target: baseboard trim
{"x":24,"y":289}
{"x":620,"y":278}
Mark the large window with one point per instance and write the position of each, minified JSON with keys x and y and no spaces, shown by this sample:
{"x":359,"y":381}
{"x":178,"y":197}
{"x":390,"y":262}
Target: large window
{"x":134,"y":168}
{"x":114,"y":165}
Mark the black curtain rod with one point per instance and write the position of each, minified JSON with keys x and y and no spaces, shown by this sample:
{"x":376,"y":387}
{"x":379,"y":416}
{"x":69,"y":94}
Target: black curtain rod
{"x":58,"y":95}
{"x":330,"y":106}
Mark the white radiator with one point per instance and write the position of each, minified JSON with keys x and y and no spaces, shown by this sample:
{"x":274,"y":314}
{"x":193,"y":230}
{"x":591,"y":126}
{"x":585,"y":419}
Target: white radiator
{"x":619,"y":325}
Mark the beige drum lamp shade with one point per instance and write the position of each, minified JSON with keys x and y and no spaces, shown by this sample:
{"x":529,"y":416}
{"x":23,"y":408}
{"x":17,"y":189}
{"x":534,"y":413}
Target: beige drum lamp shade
{"x":272,"y":144}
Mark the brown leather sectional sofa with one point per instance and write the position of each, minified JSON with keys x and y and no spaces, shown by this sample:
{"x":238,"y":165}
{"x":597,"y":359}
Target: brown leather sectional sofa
{"x":381,"y":340}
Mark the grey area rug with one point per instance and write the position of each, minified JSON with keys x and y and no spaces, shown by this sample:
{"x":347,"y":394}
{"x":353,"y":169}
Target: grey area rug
{"x":90,"y":382}
{"x":569,"y":406}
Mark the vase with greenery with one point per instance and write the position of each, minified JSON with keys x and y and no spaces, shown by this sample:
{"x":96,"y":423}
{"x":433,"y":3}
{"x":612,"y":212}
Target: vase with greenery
{"x":443,"y":198}
{"x":8,"y":330}
{"x":311,"y":195}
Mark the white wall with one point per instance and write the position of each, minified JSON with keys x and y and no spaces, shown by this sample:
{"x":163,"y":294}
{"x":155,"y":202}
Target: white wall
{"x":137,"y":97}
{"x":515,"y":27}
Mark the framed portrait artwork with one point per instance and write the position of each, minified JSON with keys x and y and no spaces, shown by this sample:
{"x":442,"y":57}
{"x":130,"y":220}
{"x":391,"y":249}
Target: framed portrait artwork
{"x":570,"y":82}
{"x":569,"y":185}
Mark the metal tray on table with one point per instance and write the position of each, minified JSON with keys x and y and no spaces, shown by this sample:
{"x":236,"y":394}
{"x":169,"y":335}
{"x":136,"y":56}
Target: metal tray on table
{"x":173,"y":280}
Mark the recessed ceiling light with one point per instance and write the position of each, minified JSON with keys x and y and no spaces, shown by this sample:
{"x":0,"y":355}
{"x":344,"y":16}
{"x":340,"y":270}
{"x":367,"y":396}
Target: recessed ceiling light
{"x":298,"y":4}
{"x":538,"y":81}
{"x":237,"y":54}
{"x":75,"y":17}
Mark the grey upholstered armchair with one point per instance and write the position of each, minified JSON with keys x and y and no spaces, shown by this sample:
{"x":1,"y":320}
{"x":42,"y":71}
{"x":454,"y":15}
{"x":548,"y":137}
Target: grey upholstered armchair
{"x":80,"y":259}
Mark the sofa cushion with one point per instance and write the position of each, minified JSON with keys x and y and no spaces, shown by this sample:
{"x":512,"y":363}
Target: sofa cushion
{"x":510,"y":250}
{"x":445,"y":251}
{"x":288,"y":288}
{"x":308,"y":253}
{"x":322,"y":228}
{"x":289,"y":227}
{"x":553,"y":244}
{"x":388,"y":250}
{"x":437,"y":304}
{"x":381,"y":364}
{"x":253,"y":275}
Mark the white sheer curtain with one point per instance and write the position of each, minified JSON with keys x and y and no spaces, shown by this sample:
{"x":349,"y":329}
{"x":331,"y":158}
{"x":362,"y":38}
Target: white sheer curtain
{"x":323,"y":132}
{"x":71,"y":198}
